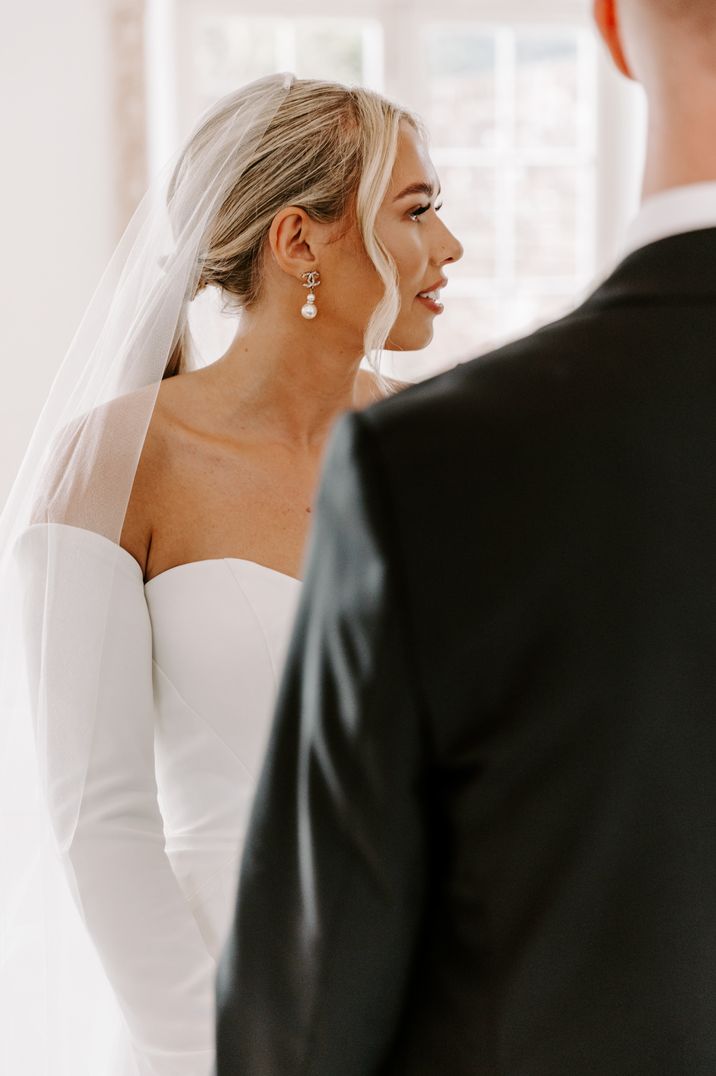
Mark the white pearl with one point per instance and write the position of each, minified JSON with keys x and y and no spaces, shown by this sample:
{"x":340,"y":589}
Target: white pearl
{"x":309,"y":311}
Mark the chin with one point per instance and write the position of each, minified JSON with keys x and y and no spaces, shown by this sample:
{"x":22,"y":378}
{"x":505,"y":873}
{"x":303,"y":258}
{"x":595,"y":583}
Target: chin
{"x":414,"y":341}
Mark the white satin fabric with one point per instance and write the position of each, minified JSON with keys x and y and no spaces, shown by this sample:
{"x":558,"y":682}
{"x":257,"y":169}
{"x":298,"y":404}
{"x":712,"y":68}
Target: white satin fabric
{"x":182,"y":674}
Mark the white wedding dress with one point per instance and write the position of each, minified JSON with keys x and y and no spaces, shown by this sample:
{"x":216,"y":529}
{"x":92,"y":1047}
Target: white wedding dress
{"x":174,"y":684}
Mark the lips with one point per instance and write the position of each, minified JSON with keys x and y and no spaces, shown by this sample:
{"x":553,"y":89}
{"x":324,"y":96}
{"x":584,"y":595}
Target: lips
{"x":433,"y":292}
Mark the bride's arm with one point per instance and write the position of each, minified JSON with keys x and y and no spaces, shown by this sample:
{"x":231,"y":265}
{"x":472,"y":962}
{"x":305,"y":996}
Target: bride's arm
{"x":89,"y":642}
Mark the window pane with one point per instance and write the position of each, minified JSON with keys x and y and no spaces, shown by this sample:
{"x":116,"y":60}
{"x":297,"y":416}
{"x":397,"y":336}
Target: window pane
{"x":468,"y":195}
{"x":231,"y":51}
{"x":329,"y":50}
{"x":526,"y":310}
{"x":546,"y":222}
{"x":461,"y":86}
{"x":511,"y":117}
{"x":468,"y":326}
{"x":547,"y":92}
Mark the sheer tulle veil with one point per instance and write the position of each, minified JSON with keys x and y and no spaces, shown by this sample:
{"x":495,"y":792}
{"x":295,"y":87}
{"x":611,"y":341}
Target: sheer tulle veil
{"x":56,"y":1009}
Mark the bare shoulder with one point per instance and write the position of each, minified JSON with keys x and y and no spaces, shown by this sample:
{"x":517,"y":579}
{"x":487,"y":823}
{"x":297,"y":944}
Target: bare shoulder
{"x":173,"y":413}
{"x":136,"y":534}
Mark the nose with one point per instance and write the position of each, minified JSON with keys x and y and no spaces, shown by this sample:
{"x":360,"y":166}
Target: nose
{"x":452,"y":247}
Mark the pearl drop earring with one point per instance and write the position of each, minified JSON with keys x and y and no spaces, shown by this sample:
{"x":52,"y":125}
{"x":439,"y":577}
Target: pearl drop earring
{"x":309,"y":310}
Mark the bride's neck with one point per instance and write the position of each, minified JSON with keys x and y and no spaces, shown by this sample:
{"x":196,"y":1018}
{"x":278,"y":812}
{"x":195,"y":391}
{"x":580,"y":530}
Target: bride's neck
{"x":291,"y":380}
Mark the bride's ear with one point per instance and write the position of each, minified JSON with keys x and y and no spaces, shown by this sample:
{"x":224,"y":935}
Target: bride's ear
{"x":290,"y":237}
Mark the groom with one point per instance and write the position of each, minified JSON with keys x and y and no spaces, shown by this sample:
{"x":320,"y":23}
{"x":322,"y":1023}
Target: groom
{"x":485,"y":839}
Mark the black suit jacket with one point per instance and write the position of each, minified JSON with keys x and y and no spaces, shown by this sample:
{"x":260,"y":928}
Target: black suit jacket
{"x":484,"y":843}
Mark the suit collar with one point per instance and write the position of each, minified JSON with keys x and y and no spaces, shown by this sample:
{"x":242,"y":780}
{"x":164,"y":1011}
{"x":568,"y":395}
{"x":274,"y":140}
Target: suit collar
{"x":688,"y":208}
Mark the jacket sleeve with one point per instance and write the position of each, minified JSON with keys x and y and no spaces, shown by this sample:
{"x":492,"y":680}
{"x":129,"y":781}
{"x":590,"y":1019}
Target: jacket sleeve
{"x":89,"y":650}
{"x":314,"y":976}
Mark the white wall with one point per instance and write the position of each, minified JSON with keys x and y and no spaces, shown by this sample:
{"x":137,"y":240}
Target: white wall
{"x":56,"y":196}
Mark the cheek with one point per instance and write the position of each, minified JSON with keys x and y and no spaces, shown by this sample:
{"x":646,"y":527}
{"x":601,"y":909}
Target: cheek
{"x":356,"y":289}
{"x":408,"y":254}
{"x":367,"y":288}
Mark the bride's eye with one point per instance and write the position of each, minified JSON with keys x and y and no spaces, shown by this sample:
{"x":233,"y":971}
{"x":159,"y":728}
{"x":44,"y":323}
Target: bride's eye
{"x":418,"y":212}
{"x":423,"y":209}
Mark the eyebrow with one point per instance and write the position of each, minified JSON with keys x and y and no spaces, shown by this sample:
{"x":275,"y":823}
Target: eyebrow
{"x":418,"y":188}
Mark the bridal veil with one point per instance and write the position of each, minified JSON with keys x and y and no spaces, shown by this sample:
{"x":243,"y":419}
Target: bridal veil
{"x":56,"y":1008}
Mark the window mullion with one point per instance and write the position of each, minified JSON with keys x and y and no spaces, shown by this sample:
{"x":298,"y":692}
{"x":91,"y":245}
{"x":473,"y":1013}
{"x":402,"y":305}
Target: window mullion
{"x":404,"y":78}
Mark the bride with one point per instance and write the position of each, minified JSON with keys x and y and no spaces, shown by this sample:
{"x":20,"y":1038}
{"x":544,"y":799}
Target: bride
{"x":156,"y":533}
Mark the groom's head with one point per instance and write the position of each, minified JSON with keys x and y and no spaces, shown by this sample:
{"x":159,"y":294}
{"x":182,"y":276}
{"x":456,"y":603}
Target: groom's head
{"x":660,"y":43}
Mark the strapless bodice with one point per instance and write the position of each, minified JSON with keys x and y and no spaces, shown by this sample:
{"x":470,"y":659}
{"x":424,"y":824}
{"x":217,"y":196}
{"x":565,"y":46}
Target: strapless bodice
{"x":220,"y":629}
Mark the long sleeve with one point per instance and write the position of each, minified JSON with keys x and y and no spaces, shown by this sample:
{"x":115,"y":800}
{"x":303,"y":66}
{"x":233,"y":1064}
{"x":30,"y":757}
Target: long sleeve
{"x":334,"y":877}
{"x":89,"y":645}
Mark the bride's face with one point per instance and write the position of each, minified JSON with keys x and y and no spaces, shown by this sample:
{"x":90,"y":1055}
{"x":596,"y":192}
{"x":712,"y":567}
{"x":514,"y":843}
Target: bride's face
{"x":409,"y":226}
{"x":421,"y":244}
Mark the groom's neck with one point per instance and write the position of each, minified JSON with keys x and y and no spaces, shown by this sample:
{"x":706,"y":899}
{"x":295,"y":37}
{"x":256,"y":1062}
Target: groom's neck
{"x":681,"y":146}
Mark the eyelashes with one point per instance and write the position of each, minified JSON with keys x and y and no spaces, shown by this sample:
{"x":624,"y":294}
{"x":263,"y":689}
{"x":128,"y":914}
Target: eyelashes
{"x":416,"y":213}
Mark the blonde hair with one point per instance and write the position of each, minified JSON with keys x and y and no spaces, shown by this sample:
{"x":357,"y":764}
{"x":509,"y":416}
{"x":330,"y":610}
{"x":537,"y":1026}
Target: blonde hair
{"x":329,"y":149}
